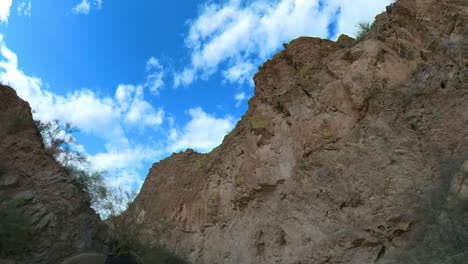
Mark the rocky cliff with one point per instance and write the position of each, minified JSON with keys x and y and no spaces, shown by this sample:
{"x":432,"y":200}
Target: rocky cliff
{"x":62,"y":221}
{"x":349,"y":153}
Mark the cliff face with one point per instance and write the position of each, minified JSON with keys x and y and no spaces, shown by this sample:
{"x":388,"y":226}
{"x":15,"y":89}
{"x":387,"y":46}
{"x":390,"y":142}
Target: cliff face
{"x":347,"y":154}
{"x":63,"y":224}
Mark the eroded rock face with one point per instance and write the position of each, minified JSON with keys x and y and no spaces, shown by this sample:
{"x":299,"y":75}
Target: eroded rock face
{"x":347,"y":154}
{"x":63,"y":222}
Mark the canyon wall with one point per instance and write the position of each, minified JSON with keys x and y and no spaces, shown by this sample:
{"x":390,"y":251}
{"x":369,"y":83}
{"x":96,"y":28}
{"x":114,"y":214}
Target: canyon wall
{"x":350,"y":152}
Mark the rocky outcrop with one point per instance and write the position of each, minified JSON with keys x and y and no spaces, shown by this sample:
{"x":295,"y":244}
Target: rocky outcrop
{"x":348,"y":153}
{"x":63,"y":223}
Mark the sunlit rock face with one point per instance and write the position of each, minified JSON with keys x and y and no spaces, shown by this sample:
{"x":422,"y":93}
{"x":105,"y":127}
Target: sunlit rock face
{"x":350,"y":152}
{"x":63,"y":224}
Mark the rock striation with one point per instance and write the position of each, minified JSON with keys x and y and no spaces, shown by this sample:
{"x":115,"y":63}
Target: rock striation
{"x":349,"y":153}
{"x":63,"y":223}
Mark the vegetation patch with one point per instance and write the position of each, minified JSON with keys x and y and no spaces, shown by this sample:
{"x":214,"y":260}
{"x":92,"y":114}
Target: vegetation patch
{"x":125,"y":229}
{"x":126,"y":241}
{"x":238,"y":180}
{"x":60,"y":144}
{"x":363,"y":28}
{"x":257,"y":122}
{"x":214,"y":198}
{"x":199,"y":205}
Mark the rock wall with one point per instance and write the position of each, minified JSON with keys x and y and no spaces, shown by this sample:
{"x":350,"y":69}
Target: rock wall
{"x":63,"y":223}
{"x":348,"y":153}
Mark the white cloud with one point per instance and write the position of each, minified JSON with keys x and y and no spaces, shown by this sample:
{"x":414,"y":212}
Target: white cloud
{"x":92,"y":114}
{"x":202,"y":133}
{"x":155,"y":74}
{"x":238,"y":34}
{"x":240,"y":97}
{"x":24,"y":9}
{"x":82,"y":108}
{"x":184,"y":78}
{"x":240,"y":73}
{"x":84,"y":7}
{"x":108,"y":118}
{"x":117,"y":158}
{"x":135,"y":110}
{"x":5,"y":6}
{"x":123,"y":164}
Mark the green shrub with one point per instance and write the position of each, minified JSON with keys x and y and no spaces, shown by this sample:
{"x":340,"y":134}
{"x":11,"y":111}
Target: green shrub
{"x":90,"y":182}
{"x":60,"y":144}
{"x":15,"y":227}
{"x":363,"y":28}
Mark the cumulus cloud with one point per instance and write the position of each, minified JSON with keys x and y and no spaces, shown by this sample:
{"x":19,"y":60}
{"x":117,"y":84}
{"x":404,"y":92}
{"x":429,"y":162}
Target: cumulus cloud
{"x":202,"y":133}
{"x":85,"y":6}
{"x":82,"y":108}
{"x":240,"y":97}
{"x":155,"y":73}
{"x":135,"y":110}
{"x":5,"y":6}
{"x":82,"y":8}
{"x":122,"y":164}
{"x":24,"y":9}
{"x":98,"y":115}
{"x":107,"y":118}
{"x":185,"y":78}
{"x":240,"y":73}
{"x":239,"y":35}
{"x":117,"y":158}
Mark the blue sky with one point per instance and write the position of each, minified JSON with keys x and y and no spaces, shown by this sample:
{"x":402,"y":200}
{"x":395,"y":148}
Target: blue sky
{"x":143,"y":79}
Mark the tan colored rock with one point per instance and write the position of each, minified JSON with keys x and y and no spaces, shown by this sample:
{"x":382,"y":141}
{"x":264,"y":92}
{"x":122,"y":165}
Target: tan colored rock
{"x":345,"y":155}
{"x":345,"y":41}
{"x":63,"y":224}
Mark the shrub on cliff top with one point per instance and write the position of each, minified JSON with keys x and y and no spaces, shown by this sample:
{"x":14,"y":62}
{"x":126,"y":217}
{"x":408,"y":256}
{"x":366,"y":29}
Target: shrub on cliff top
{"x":363,"y":28}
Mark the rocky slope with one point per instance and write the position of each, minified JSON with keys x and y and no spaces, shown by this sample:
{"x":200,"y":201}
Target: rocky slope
{"x":348,"y":153}
{"x":63,"y":224}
